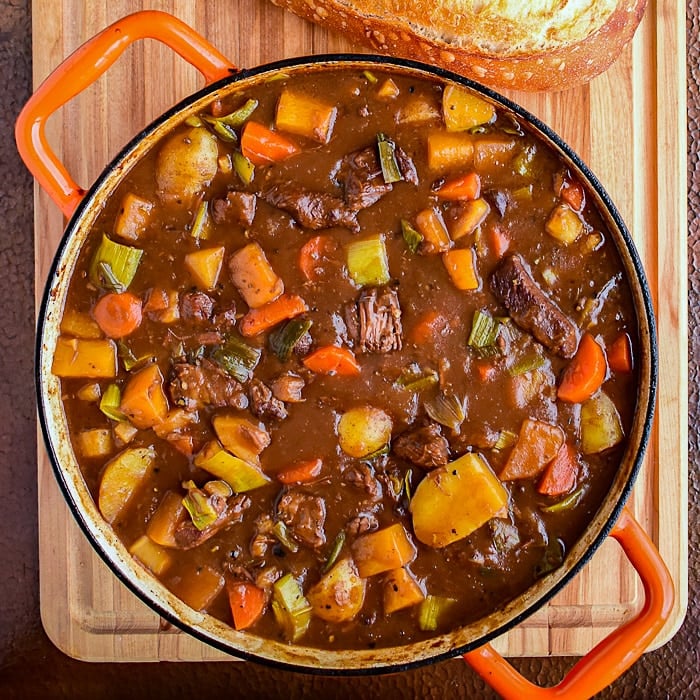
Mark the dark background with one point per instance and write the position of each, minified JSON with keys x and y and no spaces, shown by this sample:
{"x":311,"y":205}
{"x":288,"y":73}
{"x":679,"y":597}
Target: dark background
{"x":31,"y":667}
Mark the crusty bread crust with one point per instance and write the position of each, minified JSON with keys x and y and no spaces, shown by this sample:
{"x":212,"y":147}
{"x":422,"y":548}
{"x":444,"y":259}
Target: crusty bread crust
{"x":511,"y":44}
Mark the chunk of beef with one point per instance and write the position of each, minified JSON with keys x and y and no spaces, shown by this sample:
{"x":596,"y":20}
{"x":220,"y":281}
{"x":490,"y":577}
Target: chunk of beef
{"x":531,"y":308}
{"x":196,"y":306}
{"x":226,"y":318}
{"x":362,"y":477}
{"x":425,"y":446}
{"x":235,"y":208}
{"x":374,"y":321}
{"x":313,"y":210}
{"x":263,"y":404}
{"x":406,"y":165}
{"x":362,"y":523}
{"x":230,"y":511}
{"x":305,"y":516}
{"x":362,"y":179}
{"x":205,"y":384}
{"x":264,"y":536}
{"x":288,"y":387}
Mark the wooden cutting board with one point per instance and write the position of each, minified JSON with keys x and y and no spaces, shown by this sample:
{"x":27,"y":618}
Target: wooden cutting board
{"x":628,"y":125}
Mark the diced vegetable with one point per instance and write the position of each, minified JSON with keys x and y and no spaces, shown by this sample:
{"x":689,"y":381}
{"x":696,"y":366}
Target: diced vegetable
{"x":383,"y":550}
{"x":601,"y":427}
{"x":291,"y":609}
{"x":561,"y":473}
{"x":419,"y":111}
{"x":499,"y":241}
{"x":247,"y":603}
{"x":464,"y":187}
{"x":113,"y":266}
{"x":336,"y":549}
{"x":198,"y":504}
{"x":79,"y":325}
{"x":237,"y":358}
{"x":586,"y":372}
{"x":371,"y":77}
{"x":300,"y":472}
{"x":472,"y":215}
{"x":264,"y":317}
{"x":205,"y":266}
{"x":262,"y":146}
{"x":412,"y":237}
{"x":241,"y":436}
{"x":254,"y":277}
{"x":415,"y":379}
{"x":387,"y":159}
{"x":388,"y":90}
{"x":281,"y":532}
{"x":237,"y":117}
{"x":431,"y":324}
{"x":564,"y":224}
{"x":78,"y":357}
{"x":95,"y":442}
{"x":199,"y":587}
{"x":506,"y":439}
{"x":186,"y":164}
{"x":447,"y":409}
{"x":538,"y":444}
{"x":118,"y":315}
{"x":122,"y":477}
{"x":619,"y":354}
{"x":124,"y":432}
{"x":493,"y":152}
{"x":305,"y":116}
{"x":527,"y":363}
{"x":110,"y":402}
{"x":340,"y":594}
{"x":133,"y":217}
{"x":431,"y":610}
{"x":284,"y":339}
{"x":460,"y":264}
{"x":165,"y":521}
{"x":239,"y":475}
{"x":367,"y":261}
{"x":312,"y":253}
{"x":331,"y":359}
{"x":243,"y":167}
{"x":176,"y":420}
{"x":163,"y":305}
{"x":151,"y":555}
{"x":447,"y":151}
{"x":572,"y":193}
{"x":463,"y":110}
{"x":90,"y":392}
{"x":453,"y":501}
{"x":432,"y":227}
{"x":571,"y":501}
{"x":143,"y":400}
{"x":401,"y":590}
{"x":484,"y":333}
{"x":364,"y":430}
{"x":201,"y":222}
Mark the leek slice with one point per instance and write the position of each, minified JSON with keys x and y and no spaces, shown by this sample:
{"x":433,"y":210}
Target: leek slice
{"x":506,"y":439}
{"x":484,"y":333}
{"x":235,"y":118}
{"x":571,"y":501}
{"x":431,"y":610}
{"x":201,"y":223}
{"x":446,"y":409}
{"x":114,"y":265}
{"x":415,"y":379}
{"x":526,"y":364}
{"x":199,"y":506}
{"x":367,"y":261}
{"x":237,"y":358}
{"x":337,"y":547}
{"x":411,"y":235}
{"x":109,"y":403}
{"x":371,"y":77}
{"x":283,"y":339}
{"x":387,"y":159}
{"x":281,"y":532}
{"x":243,"y":167}
{"x":291,"y":609}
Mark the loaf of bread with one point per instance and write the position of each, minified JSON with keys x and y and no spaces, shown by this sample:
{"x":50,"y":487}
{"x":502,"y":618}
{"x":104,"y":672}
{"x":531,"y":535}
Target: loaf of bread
{"x":506,"y":44}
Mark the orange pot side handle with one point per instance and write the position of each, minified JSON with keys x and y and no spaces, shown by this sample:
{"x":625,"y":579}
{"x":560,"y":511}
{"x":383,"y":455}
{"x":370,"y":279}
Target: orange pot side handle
{"x":84,"y":67}
{"x":612,"y":656}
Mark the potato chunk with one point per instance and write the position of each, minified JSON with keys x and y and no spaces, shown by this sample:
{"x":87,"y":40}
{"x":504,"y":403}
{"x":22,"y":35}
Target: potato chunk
{"x":340,"y":594}
{"x":363,"y":431}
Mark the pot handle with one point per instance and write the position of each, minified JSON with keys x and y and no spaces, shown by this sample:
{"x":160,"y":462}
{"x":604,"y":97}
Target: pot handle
{"x":617,"y":652}
{"x":82,"y":68}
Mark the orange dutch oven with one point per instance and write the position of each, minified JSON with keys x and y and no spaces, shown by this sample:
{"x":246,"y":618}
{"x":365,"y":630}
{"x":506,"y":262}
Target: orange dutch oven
{"x":603,"y":664}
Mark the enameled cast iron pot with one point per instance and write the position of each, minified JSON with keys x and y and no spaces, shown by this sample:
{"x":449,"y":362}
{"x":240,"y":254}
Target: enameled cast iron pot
{"x":592,"y":673}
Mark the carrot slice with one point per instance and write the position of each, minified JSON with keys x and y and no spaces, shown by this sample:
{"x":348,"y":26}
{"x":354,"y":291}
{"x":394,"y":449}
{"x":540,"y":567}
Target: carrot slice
{"x":331,"y":359}
{"x":118,"y":315}
{"x":312,"y":253}
{"x":619,"y":354}
{"x":247,"y":603}
{"x":301,"y":472}
{"x":464,"y":187}
{"x":261,"y":146}
{"x":265,"y":317}
{"x":144,"y":401}
{"x":538,"y":444}
{"x":499,"y":241}
{"x":585,"y":373}
{"x":573,"y":194}
{"x":432,"y":323}
{"x":561,"y":473}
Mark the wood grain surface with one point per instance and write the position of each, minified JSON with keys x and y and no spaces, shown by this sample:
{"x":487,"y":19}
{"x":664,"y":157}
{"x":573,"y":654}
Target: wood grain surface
{"x":628,"y":125}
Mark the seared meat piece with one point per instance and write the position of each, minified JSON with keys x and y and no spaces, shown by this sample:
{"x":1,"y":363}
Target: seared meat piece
{"x":362,"y":477}
{"x":236,"y":208}
{"x":288,"y":387}
{"x":424,"y":446}
{"x":304,"y":515}
{"x":205,"y":384}
{"x":362,"y":523}
{"x":406,"y":166}
{"x":230,"y":511}
{"x":374,"y":321}
{"x":263,"y":404}
{"x":531,"y":308}
{"x":226,"y":319}
{"x":314,"y":210}
{"x":361,"y":176}
{"x":264,"y":536}
{"x":196,"y":306}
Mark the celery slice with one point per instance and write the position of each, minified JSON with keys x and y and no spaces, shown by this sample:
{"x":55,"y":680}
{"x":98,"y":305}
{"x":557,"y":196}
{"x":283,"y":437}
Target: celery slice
{"x":528,"y":363}
{"x":367,"y":261}
{"x":411,"y":235}
{"x":484,"y":332}
{"x":291,"y":609}
{"x":431,"y":610}
{"x":114,"y":265}
{"x":387,"y":159}
{"x":109,"y":403}
{"x":415,"y":379}
{"x":201,"y":223}
{"x":237,"y":358}
{"x":243,"y":167}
